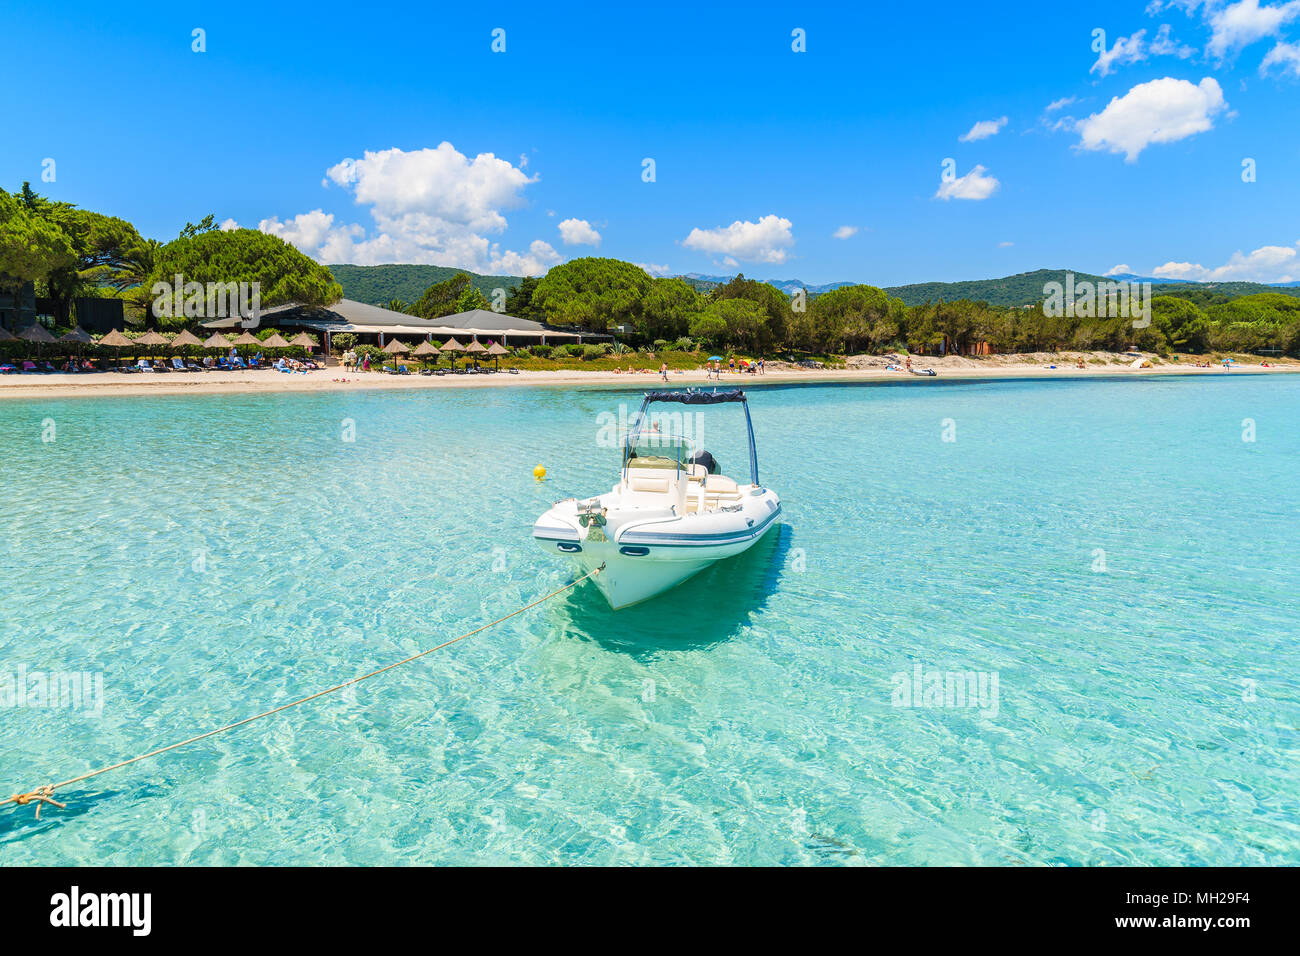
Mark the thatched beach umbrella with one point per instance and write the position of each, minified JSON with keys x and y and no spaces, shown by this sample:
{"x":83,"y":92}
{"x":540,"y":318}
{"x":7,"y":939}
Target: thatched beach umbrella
{"x":426,"y":348}
{"x":274,"y":341}
{"x":395,"y":348}
{"x":475,"y":349}
{"x":186,"y":339}
{"x":37,"y":334}
{"x":152,"y":340}
{"x":248,"y":338}
{"x":116,"y":341}
{"x":496,"y":351}
{"x":452,"y":346}
{"x":78,"y":336}
{"x":216,"y":341}
{"x":303,"y":340}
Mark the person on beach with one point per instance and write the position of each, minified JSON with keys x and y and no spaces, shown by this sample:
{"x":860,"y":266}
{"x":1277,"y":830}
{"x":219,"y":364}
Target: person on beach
{"x":663,"y":371}
{"x":365,"y":363}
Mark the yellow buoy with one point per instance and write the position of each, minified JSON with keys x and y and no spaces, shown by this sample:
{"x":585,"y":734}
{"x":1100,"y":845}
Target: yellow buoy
{"x":539,"y":473}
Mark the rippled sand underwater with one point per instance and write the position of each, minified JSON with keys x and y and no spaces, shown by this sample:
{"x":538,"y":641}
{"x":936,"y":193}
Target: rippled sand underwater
{"x":1109,"y":556}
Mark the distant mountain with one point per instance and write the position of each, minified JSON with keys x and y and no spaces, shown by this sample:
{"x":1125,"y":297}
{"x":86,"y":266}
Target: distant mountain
{"x":379,"y":284}
{"x":703,"y":283}
{"x":376,"y":285}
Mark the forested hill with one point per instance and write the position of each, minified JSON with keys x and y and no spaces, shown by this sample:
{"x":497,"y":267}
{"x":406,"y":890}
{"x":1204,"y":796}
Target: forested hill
{"x":1027,"y":289}
{"x":379,"y":284}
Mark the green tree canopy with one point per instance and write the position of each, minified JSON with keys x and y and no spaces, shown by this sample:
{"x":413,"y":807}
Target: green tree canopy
{"x":774,"y":303}
{"x":593,"y":293}
{"x":31,"y":247}
{"x":246,"y":255}
{"x":440,"y":298}
{"x":670,"y":307}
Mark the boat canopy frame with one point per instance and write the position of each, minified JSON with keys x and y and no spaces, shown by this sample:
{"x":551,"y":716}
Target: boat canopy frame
{"x":695,"y":397}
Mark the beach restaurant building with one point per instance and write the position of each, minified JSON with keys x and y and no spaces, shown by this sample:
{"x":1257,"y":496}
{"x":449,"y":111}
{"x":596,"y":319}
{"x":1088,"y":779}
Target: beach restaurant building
{"x":374,"y":324}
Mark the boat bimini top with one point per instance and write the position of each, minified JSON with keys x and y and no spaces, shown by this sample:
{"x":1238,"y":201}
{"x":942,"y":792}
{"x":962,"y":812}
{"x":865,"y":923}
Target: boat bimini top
{"x":652,"y":449}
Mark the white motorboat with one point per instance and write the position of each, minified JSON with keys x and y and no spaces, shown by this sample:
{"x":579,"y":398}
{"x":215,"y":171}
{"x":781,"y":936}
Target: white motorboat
{"x":670,"y":516}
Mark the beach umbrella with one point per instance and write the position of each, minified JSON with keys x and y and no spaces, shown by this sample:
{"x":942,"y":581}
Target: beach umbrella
{"x":452,"y":346}
{"x":186,"y":339}
{"x":5,"y":335}
{"x":395,"y":348}
{"x":116,"y":341}
{"x":475,"y":349}
{"x":248,"y":338}
{"x":37,"y":334}
{"x":275,"y":341}
{"x":425,"y":349}
{"x":152,"y":340}
{"x":303,"y":340}
{"x":496,"y":351}
{"x":78,"y":336}
{"x":216,"y":341}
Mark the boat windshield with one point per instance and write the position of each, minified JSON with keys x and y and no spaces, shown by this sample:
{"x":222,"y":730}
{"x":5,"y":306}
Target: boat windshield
{"x":655,"y":450}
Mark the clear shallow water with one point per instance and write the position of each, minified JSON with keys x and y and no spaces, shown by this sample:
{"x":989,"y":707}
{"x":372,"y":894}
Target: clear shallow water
{"x":213,"y":556}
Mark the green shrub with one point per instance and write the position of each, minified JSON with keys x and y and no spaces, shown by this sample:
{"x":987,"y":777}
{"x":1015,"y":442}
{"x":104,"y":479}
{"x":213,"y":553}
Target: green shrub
{"x":560,"y":353}
{"x":592,"y":352}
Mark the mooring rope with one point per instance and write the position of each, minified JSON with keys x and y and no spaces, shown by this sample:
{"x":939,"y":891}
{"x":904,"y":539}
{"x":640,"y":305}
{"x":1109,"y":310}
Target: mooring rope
{"x":43,"y":795}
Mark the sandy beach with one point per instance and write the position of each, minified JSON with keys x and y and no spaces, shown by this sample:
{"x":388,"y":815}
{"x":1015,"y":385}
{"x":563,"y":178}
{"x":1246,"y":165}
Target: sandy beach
{"x":858,"y":369}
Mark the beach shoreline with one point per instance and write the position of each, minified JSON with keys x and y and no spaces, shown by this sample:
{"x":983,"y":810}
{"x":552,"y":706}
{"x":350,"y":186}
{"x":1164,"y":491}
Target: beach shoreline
{"x":266,"y":381}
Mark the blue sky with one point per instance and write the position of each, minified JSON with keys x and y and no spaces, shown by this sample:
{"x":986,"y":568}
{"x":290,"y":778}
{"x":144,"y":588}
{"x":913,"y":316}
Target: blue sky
{"x":326,"y":125}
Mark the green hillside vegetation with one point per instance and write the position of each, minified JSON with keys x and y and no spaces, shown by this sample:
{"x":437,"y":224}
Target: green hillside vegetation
{"x":69,"y":253}
{"x":378,"y":285}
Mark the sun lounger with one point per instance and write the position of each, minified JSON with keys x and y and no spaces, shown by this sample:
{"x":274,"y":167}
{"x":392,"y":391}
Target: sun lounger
{"x":8,"y":369}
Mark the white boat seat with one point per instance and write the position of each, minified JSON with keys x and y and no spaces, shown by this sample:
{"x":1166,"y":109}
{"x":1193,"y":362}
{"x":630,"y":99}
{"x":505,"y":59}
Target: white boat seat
{"x":720,"y":485}
{"x":638,"y":482}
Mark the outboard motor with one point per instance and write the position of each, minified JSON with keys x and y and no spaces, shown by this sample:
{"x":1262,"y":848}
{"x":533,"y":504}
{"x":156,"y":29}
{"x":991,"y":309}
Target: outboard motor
{"x":703,"y":457}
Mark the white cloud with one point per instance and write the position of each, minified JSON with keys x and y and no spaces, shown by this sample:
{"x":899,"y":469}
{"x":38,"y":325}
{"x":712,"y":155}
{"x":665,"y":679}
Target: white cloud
{"x":1125,"y":50}
{"x":306,"y":230}
{"x":1285,"y":55}
{"x":1119,"y":270}
{"x":578,"y":232}
{"x":974,"y":185}
{"x":983,"y":130}
{"x":1165,"y":45}
{"x":432,"y":206}
{"x":845,"y":232}
{"x":767,"y":240}
{"x":1063,"y":102}
{"x":1160,"y":111}
{"x":1005,"y":245}
{"x":1265,"y":264}
{"x":654,"y":269}
{"x":1240,"y":24}
{"x":229,"y":225}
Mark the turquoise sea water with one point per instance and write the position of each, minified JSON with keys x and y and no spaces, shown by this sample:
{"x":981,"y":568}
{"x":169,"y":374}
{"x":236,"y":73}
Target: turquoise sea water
{"x":1110,"y":551}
